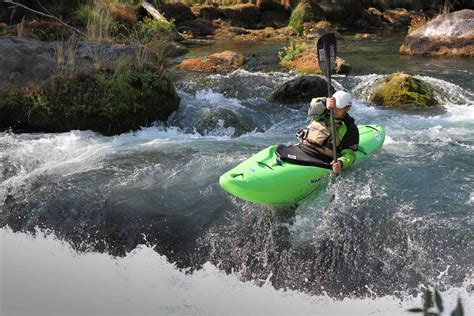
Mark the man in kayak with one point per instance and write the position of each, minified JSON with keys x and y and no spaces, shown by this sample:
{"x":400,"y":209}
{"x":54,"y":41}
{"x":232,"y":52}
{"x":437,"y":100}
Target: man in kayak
{"x":316,"y":138}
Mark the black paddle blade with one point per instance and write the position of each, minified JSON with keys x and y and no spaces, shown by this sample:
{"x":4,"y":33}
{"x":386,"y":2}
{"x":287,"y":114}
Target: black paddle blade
{"x":327,"y":49}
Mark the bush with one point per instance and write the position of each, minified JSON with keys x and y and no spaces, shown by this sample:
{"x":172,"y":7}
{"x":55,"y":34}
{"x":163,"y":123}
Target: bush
{"x":289,"y":53}
{"x":298,"y":16}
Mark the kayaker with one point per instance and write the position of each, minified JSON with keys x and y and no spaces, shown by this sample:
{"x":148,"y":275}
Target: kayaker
{"x":316,"y":138}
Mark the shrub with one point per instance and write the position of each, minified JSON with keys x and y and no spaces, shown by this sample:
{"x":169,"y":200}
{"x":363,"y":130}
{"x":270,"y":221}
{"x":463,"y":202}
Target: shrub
{"x":289,"y":53}
{"x":298,"y":16}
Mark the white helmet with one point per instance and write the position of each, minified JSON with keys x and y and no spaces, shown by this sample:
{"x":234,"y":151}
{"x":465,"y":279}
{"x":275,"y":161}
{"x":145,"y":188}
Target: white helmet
{"x":343,"y":99}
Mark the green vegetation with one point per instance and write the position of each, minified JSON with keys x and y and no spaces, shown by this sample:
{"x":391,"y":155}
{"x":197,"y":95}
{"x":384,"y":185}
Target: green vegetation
{"x":301,"y":13}
{"x":109,"y":102}
{"x":289,"y":53}
{"x":433,"y":305}
{"x":403,"y":90}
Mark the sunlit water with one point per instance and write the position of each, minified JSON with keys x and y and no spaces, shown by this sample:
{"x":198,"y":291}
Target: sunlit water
{"x":368,"y":242}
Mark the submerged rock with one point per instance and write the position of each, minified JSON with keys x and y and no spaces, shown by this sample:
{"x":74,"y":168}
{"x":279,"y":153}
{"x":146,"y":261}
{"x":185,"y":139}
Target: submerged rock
{"x":225,"y":61}
{"x":301,"y":89}
{"x":402,"y":90}
{"x":447,"y":35}
{"x":222,"y":121}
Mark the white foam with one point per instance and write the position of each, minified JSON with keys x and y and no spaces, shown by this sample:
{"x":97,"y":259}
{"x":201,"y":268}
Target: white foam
{"x":44,"y":276}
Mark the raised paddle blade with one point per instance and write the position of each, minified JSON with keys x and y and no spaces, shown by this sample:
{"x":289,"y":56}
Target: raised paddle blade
{"x":327,"y":49}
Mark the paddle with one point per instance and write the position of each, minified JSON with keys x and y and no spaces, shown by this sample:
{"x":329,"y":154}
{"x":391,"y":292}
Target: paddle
{"x":327,"y":61}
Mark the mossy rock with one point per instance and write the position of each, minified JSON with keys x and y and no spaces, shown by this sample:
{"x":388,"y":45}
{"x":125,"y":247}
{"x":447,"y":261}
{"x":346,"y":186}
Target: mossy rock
{"x":402,"y":90}
{"x":105,"y":102}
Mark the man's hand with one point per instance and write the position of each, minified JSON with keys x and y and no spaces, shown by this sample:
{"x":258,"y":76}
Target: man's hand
{"x":330,"y":103}
{"x":336,"y":166}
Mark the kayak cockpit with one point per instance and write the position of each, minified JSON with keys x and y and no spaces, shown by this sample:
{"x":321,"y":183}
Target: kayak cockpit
{"x":301,"y":155}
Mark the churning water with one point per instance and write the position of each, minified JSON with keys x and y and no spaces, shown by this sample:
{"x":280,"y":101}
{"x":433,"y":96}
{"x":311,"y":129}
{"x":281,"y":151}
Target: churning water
{"x":137,"y":223}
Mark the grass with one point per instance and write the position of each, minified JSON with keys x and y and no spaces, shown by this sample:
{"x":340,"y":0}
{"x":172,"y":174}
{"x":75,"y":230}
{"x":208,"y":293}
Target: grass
{"x":298,"y":16}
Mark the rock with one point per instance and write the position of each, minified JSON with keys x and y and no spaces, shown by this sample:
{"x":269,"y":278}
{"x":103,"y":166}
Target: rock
{"x":197,"y":27}
{"x":213,"y":121}
{"x":301,"y":89}
{"x":447,"y":35}
{"x":28,"y":61}
{"x":307,"y":62}
{"x":105,"y":102}
{"x":208,"y":12}
{"x":194,"y":42}
{"x":402,"y":90}
{"x":344,"y":12}
{"x":397,"y":18}
{"x":226,"y":61}
{"x":173,"y":49}
{"x":275,"y":19}
{"x":24,"y":61}
{"x":243,"y":15}
{"x":238,"y":30}
{"x":364,"y":36}
{"x":177,"y":11}
{"x":313,"y":31}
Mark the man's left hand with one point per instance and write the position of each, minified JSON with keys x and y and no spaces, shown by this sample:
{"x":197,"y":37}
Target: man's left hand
{"x":336,"y":166}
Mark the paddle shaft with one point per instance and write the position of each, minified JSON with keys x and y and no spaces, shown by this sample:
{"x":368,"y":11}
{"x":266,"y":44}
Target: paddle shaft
{"x":333,"y":125}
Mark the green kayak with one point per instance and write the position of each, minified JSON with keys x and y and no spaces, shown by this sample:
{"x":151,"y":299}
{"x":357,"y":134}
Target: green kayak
{"x":283,"y":174}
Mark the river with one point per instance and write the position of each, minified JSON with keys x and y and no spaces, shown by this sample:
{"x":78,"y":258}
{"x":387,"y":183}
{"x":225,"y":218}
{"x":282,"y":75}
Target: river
{"x":137,"y":223}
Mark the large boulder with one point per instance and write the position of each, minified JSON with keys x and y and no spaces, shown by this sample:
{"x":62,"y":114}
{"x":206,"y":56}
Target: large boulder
{"x":243,"y":15}
{"x":225,"y":61}
{"x":447,"y":35}
{"x":345,"y":12}
{"x":402,"y":90}
{"x":197,"y":27}
{"x":106,"y":102}
{"x":177,"y":11}
{"x":28,"y":61}
{"x":301,"y":89}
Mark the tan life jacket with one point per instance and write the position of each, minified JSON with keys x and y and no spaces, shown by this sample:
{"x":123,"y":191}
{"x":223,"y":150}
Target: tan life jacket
{"x":317,"y":136}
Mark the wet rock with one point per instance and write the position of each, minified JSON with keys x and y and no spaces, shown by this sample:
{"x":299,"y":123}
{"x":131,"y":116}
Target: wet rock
{"x":447,"y":35}
{"x":307,"y":62}
{"x":220,"y":121}
{"x":174,"y":49}
{"x":402,"y":90}
{"x":243,"y":15}
{"x":301,"y":89}
{"x":226,"y":61}
{"x":197,"y":27}
{"x":194,"y":42}
{"x":238,"y":30}
{"x":364,"y":36}
{"x":177,"y":11}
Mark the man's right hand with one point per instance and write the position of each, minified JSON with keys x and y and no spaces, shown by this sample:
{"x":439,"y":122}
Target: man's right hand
{"x":331,"y":103}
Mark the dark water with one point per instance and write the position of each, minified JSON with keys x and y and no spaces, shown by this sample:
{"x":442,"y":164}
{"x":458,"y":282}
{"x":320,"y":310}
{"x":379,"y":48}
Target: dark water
{"x":398,"y":220}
